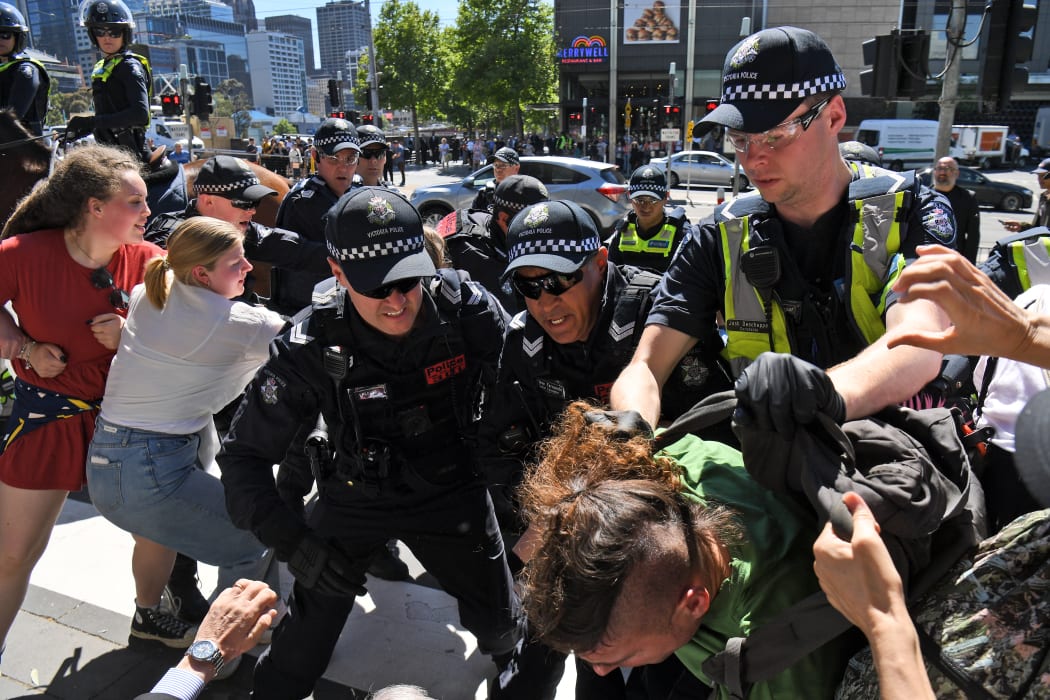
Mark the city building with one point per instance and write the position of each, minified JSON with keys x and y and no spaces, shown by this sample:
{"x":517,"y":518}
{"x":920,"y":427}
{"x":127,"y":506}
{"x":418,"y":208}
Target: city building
{"x":346,"y":26}
{"x":300,"y":27}
{"x":278,"y":71}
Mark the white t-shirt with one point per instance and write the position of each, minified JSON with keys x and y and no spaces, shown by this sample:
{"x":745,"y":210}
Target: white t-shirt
{"x":1014,"y":382}
{"x":177,"y":366}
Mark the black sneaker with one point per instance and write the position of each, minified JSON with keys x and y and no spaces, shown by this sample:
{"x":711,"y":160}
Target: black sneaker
{"x":387,"y":566}
{"x":152,"y":623}
{"x":182,"y":596}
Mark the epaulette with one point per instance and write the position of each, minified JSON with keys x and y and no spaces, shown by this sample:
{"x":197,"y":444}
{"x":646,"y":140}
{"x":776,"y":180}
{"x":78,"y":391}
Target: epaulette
{"x":747,"y":204}
{"x":677,"y":216}
{"x":882,"y":181}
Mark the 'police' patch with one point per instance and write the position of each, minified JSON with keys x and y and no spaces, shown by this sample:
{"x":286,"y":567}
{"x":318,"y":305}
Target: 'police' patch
{"x":602,"y":392}
{"x":443,"y":370}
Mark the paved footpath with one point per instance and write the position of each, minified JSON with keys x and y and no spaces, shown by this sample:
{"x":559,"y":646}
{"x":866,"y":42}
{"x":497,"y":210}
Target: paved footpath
{"x":71,"y":638}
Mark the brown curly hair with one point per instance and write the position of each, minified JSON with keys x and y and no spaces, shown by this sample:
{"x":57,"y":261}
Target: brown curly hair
{"x":605,"y":509}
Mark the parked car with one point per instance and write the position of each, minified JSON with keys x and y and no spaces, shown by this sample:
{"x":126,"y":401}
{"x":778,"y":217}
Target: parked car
{"x":990,"y":193}
{"x":599,"y":188}
{"x":699,"y":168}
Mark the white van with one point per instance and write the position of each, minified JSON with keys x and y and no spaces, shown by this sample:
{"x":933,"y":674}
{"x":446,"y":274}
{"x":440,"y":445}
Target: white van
{"x":166,"y":133}
{"x":902,"y":143}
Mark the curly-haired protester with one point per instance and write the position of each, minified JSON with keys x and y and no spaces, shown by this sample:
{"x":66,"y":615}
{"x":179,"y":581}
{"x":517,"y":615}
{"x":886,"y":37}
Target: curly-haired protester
{"x":66,"y":278}
{"x":655,"y":560}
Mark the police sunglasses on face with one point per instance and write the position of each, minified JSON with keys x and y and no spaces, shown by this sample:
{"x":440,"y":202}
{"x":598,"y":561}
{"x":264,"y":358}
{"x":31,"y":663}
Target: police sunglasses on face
{"x":6,"y":34}
{"x":111,"y":32}
{"x":118,"y":298}
{"x":404,"y":286}
{"x":373,"y":155}
{"x":554,"y":283}
{"x":781,"y":135}
{"x":243,"y":204}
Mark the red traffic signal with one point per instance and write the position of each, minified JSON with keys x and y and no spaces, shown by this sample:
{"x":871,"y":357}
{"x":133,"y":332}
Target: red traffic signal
{"x":170,"y":104}
{"x":367,"y":119}
{"x":711,"y":106}
{"x":335,"y":114}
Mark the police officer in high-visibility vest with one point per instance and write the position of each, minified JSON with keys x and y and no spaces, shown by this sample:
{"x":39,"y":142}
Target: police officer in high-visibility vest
{"x":24,"y":82}
{"x":803,"y":266}
{"x":648,"y":236}
{"x":121,"y":82}
{"x":396,"y":359}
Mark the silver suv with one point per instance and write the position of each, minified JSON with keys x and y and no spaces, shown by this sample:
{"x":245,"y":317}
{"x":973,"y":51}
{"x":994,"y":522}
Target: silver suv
{"x":599,"y":188}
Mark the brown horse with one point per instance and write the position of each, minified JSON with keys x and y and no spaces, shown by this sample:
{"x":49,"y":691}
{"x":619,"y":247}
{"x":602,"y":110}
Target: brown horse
{"x":25,"y":160}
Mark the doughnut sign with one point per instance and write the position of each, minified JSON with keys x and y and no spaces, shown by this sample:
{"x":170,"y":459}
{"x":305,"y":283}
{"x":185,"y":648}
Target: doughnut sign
{"x":654,"y":22}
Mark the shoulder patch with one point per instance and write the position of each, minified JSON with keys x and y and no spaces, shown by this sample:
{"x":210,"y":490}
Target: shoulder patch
{"x":306,"y":193}
{"x":938,"y":222}
{"x":476,"y":292}
{"x":518,"y":321}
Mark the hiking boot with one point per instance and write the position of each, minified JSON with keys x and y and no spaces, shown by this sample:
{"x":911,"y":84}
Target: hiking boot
{"x":182,"y":596}
{"x":153,"y":624}
{"x":386,"y":564}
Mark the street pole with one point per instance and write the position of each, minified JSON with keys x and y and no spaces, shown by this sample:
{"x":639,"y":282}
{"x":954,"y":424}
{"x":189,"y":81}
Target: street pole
{"x":950,"y":85}
{"x":670,"y":101}
{"x":583,"y":127}
{"x":184,"y":85}
{"x":373,"y":60}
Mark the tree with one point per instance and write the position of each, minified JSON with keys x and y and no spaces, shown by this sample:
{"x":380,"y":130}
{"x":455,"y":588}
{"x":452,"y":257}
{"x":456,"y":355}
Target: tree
{"x":230,"y":96}
{"x":284,"y":127}
{"x":415,"y":75}
{"x":509,"y":68}
{"x":64,"y":104}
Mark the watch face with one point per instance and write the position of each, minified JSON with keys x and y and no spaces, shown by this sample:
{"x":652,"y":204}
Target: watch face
{"x":203,"y":650}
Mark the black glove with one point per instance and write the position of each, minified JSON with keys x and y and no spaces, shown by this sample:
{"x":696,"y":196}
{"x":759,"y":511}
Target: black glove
{"x":779,"y":392}
{"x":321,"y":567}
{"x":622,"y":425}
{"x":78,"y":127}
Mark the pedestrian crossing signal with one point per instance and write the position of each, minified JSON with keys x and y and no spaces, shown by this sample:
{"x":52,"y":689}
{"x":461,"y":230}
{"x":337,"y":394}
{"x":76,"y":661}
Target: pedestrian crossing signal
{"x":170,"y":104}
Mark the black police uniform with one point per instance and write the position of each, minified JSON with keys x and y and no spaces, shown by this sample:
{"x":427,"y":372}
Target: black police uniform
{"x":262,"y":243}
{"x":120,"y":88}
{"x":657,"y":249}
{"x":813,"y":261}
{"x":24,"y":86}
{"x":478,"y":247}
{"x":401,"y":417}
{"x":483,"y":199}
{"x":302,"y":211}
{"x":539,"y":377}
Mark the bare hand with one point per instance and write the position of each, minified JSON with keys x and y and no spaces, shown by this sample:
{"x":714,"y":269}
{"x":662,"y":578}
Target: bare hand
{"x":106,"y":328}
{"x":984,"y":320}
{"x":238,"y":617}
{"x":1014,"y":226}
{"x":48,"y":360}
{"x":11,"y":341}
{"x":858,"y":576}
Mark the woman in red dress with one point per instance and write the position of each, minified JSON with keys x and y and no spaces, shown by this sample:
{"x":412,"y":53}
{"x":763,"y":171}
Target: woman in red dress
{"x":71,"y":251}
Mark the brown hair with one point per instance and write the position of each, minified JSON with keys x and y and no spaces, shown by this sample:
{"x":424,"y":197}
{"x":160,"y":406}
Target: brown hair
{"x":607,"y":509}
{"x":60,"y":200}
{"x":435,"y":246}
{"x":200,"y":240}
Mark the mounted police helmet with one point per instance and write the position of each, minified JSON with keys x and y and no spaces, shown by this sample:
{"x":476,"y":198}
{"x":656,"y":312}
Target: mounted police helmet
{"x":12,"y":20}
{"x":106,"y":14}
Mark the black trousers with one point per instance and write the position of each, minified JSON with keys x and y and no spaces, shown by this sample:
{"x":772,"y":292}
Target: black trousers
{"x":454,"y":535}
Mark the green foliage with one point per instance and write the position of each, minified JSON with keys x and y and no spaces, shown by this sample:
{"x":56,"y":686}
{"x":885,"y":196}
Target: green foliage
{"x":506,"y":56}
{"x":64,"y":104}
{"x":412,"y":58}
{"x":230,"y":96}
{"x":284,"y":127}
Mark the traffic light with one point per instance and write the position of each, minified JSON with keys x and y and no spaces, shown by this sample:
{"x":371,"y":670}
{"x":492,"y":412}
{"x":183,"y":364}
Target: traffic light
{"x":1002,"y":48}
{"x":337,"y":114}
{"x":333,"y":94}
{"x":170,"y":104}
{"x":881,"y":79}
{"x":367,"y":119}
{"x":710,"y":106}
{"x":913,"y":56}
{"x":202,"y":105}
{"x":354,"y":116}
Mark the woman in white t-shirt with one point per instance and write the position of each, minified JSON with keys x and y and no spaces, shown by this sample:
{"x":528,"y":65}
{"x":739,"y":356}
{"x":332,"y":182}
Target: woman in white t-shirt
{"x":185,"y":352}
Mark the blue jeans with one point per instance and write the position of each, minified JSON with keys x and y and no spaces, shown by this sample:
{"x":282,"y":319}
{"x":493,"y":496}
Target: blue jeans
{"x":152,"y":485}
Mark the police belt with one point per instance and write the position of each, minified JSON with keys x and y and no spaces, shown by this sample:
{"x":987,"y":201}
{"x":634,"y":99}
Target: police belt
{"x":379,"y":468}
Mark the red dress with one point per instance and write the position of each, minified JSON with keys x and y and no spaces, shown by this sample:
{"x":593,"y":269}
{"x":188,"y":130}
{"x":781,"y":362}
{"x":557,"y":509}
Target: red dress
{"x":54,"y":298}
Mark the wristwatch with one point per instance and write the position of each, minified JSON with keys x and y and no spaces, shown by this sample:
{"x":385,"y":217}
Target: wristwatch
{"x":208,"y":651}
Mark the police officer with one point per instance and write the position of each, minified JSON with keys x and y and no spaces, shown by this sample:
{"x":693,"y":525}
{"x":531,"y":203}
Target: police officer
{"x":24,"y":82}
{"x":226,"y":188}
{"x":121,"y":82}
{"x":303,"y":210}
{"x":806,"y":264}
{"x":505,"y":163}
{"x":373,"y":157}
{"x":395,"y":360}
{"x":648,"y":236}
{"x":476,"y":240}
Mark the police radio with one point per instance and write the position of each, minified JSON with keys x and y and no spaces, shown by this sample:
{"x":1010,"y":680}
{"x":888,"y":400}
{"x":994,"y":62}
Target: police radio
{"x":761,"y":267}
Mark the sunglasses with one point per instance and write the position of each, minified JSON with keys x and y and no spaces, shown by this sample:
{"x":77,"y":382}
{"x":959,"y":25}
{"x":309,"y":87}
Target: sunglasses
{"x":554,"y":283}
{"x":781,"y":135}
{"x":349,"y":160}
{"x":118,"y":298}
{"x":7,"y":34}
{"x":646,"y":201}
{"x":243,"y":204}
{"x":373,"y":155}
{"x":404,"y":286}
{"x":111,"y":32}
